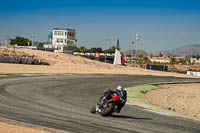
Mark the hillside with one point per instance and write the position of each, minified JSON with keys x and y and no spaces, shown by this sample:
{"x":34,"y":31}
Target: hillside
{"x":182,"y":50}
{"x":66,"y":63}
{"x":130,"y":52}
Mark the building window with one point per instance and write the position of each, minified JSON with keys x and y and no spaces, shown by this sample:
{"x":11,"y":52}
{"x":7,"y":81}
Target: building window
{"x":58,"y":33}
{"x":59,"y":40}
{"x":70,"y":42}
{"x":70,"y":34}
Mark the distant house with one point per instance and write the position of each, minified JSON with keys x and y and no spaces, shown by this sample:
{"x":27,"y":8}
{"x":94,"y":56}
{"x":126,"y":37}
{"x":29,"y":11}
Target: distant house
{"x":160,"y":59}
{"x":194,"y":60}
{"x":61,"y":37}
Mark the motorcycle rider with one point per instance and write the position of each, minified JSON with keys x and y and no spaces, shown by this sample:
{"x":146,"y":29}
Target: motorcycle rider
{"x":121,"y":92}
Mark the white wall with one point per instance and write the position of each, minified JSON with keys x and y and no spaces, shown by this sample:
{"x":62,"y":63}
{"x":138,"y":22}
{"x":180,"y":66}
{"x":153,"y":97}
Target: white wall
{"x":64,"y":37}
{"x":193,"y":73}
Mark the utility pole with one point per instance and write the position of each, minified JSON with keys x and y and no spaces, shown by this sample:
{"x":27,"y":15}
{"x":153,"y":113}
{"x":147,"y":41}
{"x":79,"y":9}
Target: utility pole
{"x":32,"y":40}
{"x":137,"y":46}
{"x":132,"y":48}
{"x":7,"y":40}
{"x":108,"y":46}
{"x":105,"y":56}
{"x":108,"y":43}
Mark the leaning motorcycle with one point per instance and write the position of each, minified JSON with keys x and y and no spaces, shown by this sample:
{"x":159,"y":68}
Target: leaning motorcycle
{"x":107,"y":106}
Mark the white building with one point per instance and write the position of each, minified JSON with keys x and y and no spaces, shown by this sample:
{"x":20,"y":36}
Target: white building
{"x":194,"y":60}
{"x":160,"y":59}
{"x":62,"y":37}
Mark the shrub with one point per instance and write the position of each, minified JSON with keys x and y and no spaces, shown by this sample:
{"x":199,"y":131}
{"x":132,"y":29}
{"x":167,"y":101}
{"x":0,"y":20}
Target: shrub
{"x":44,"y":63}
{"x":144,"y":92}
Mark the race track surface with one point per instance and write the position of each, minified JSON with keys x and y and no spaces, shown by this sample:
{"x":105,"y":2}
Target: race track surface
{"x":63,"y":102}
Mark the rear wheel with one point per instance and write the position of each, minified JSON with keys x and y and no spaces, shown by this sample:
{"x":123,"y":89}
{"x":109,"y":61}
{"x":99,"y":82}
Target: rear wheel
{"x":108,"y":110}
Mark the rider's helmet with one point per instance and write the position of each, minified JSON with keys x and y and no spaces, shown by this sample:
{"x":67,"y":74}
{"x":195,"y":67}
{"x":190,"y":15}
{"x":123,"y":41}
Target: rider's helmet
{"x":120,"y":88}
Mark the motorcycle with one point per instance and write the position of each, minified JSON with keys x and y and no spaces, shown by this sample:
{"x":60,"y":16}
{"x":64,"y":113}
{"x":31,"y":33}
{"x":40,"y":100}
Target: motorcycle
{"x":107,"y":106}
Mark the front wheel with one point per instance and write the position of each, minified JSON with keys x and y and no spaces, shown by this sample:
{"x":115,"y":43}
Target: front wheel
{"x":108,"y":110}
{"x":93,"y":110}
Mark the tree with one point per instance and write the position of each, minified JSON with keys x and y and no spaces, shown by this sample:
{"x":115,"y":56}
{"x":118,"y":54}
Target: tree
{"x":128,"y":55}
{"x":41,"y":45}
{"x":182,"y":61}
{"x":173,"y":60}
{"x":197,"y":56}
{"x":93,"y":50}
{"x":188,"y":59}
{"x":20,"y":41}
{"x":151,"y":55}
{"x":82,"y":49}
{"x":144,"y":59}
{"x":110,"y":50}
{"x":160,"y":54}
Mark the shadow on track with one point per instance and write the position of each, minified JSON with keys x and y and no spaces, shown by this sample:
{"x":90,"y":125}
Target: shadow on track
{"x":128,"y":117}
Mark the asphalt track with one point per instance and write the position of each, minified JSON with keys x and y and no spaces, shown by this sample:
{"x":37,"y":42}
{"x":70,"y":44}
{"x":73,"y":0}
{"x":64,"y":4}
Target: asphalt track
{"x":63,"y":102}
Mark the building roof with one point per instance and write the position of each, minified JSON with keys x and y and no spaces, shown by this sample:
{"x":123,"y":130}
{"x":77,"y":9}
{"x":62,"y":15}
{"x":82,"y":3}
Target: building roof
{"x":160,"y":58}
{"x":68,"y":29}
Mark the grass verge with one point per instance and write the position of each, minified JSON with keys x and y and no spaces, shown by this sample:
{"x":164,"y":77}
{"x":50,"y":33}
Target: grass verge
{"x":136,"y":95}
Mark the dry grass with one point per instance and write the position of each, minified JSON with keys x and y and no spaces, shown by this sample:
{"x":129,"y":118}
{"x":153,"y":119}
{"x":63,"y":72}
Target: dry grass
{"x":182,"y":98}
{"x":11,"y":128}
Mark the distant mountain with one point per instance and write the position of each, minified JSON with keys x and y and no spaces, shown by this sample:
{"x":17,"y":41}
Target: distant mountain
{"x":139,"y":52}
{"x":182,"y":50}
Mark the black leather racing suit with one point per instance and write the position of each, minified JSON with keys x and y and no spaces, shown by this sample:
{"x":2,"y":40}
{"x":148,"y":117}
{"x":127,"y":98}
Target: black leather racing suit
{"x":121,"y":93}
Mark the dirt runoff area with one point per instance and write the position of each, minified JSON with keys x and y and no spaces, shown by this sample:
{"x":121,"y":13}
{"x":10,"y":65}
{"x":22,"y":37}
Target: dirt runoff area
{"x":181,"y":98}
{"x":67,"y":63}
{"x":12,"y":128}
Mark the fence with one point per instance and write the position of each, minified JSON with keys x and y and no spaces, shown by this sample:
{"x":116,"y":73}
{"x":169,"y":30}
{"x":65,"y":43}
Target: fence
{"x":157,"y":67}
{"x":19,"y":60}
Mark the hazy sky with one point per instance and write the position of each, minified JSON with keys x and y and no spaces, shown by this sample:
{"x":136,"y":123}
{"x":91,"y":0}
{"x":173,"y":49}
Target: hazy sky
{"x":162,"y":24}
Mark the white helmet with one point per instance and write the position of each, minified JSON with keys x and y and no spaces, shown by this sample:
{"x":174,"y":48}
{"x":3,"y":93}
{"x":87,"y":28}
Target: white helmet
{"x":120,"y":88}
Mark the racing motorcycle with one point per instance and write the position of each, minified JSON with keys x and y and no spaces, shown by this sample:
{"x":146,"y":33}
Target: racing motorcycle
{"x":107,"y":106}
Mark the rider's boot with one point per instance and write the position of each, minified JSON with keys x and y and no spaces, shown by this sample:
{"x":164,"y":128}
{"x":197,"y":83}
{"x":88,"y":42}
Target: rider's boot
{"x":98,"y":108}
{"x":118,"y":110}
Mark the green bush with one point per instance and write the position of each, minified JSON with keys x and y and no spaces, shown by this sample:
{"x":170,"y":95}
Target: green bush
{"x":44,"y":63}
